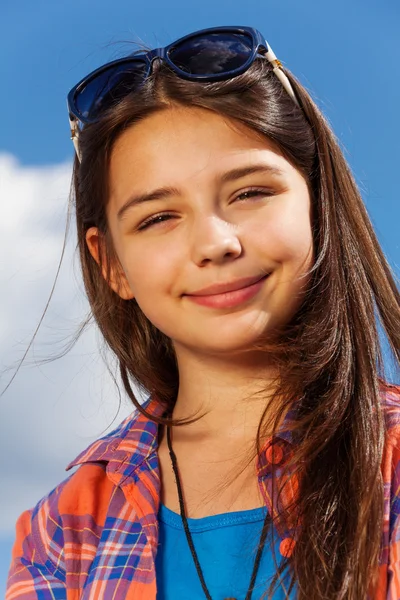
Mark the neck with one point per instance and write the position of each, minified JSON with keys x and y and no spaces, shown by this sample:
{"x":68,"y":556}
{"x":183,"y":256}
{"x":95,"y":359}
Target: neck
{"x":231,"y":395}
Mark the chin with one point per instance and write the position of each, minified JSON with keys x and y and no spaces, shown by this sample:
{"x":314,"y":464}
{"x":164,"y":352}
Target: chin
{"x":219,"y":344}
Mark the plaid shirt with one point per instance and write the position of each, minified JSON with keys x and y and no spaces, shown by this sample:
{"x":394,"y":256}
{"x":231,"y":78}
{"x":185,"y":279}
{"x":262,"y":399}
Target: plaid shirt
{"x":94,"y":537}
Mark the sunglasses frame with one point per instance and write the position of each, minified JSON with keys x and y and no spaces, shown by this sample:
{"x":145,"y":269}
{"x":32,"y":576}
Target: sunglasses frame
{"x":260,"y":47}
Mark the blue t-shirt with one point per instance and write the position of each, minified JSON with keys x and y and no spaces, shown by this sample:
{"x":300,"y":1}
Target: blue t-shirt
{"x":226,"y":546}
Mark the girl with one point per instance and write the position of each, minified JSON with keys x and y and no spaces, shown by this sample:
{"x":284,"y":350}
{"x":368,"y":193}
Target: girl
{"x":232,"y":268}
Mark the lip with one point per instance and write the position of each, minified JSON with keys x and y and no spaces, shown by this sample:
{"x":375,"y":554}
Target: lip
{"x":222,"y":288}
{"x":232,"y":297}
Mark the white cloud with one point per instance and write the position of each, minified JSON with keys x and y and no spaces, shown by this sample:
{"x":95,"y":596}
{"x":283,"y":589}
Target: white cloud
{"x":50,"y":412}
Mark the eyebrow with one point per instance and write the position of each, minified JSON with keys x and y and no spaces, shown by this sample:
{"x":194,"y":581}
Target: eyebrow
{"x":166,"y":192}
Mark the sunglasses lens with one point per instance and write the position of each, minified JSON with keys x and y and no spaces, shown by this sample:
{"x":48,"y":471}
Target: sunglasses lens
{"x":109,"y":87}
{"x":212,"y":53}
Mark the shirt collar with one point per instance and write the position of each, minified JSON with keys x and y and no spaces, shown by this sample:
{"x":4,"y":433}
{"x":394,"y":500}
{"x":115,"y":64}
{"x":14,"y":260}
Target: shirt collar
{"x":137,"y":437}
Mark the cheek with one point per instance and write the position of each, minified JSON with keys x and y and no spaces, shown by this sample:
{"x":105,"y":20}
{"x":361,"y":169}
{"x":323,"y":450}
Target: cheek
{"x":287,"y":239}
{"x":151,"y":270}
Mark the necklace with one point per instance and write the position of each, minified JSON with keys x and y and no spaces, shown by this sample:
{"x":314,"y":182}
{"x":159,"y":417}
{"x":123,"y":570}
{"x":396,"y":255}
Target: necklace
{"x":189,"y":537}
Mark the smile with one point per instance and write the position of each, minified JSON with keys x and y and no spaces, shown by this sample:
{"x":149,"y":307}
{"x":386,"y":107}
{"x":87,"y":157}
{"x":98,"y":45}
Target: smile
{"x":230,"y":298}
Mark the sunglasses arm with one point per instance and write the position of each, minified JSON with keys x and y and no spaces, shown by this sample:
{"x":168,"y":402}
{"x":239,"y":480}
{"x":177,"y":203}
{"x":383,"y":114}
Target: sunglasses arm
{"x":277,"y":69}
{"x":73,"y":123}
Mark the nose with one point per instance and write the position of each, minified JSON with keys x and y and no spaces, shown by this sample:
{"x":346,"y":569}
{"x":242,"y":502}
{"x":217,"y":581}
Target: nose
{"x":214,"y":240}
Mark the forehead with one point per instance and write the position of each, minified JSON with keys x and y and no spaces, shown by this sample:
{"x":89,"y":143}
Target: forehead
{"x":182,"y":147}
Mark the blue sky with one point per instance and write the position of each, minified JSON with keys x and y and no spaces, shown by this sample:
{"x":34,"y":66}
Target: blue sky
{"x":346,"y":54}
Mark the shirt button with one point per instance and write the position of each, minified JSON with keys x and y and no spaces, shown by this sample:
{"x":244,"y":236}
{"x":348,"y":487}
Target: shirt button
{"x":274,"y":454}
{"x":286,"y":546}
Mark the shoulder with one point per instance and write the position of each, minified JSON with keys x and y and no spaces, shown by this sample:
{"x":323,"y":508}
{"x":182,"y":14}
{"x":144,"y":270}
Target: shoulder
{"x":78,"y":502}
{"x":57,"y":541}
{"x":390,"y":404}
{"x":390,"y":467}
{"x":51,"y":537}
{"x":88,"y":489}
{"x":390,"y":464}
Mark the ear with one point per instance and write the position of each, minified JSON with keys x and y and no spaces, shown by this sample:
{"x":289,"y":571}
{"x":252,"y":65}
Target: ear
{"x":118,"y":281}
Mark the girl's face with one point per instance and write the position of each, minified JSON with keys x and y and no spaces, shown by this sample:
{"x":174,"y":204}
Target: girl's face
{"x":198,"y":200}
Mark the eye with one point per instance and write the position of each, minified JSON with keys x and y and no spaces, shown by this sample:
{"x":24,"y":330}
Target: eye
{"x":254,"y":193}
{"x":155,"y":220}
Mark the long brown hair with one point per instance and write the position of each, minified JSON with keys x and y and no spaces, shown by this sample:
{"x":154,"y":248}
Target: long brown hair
{"x":329,"y":355}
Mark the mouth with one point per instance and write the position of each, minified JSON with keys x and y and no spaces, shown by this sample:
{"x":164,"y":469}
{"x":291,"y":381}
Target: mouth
{"x":237,"y":293}
{"x":233,"y":286}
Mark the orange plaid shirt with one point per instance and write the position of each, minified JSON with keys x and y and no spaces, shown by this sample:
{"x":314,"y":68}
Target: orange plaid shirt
{"x":94,"y":537}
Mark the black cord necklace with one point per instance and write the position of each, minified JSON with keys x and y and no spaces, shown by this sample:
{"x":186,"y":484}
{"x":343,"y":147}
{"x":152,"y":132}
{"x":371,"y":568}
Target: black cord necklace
{"x":189,"y":537}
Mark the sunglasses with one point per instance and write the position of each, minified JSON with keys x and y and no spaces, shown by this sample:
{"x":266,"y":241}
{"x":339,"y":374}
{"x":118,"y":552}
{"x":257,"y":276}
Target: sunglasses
{"x":207,"y":55}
